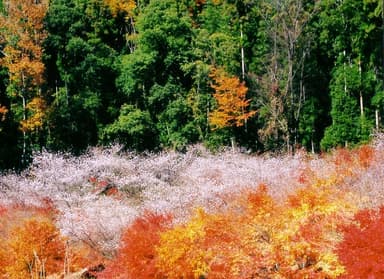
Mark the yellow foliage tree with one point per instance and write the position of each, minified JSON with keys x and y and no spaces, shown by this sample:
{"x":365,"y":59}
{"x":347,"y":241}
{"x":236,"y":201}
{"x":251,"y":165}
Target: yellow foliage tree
{"x":22,"y":34}
{"x":36,"y":107}
{"x":176,"y":259}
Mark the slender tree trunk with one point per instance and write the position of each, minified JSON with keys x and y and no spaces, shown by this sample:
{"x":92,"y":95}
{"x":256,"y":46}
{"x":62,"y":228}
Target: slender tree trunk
{"x":361,"y":105}
{"x":345,"y":74}
{"x":24,"y":154}
{"x":312,"y":146}
{"x":382,"y":41}
{"x":66,"y":259}
{"x":377,"y":119}
{"x":361,"y":94}
{"x":242,"y":54}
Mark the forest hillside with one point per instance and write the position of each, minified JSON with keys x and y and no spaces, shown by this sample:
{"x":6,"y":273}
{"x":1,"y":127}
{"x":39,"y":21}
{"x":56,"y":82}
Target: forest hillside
{"x":270,"y":75}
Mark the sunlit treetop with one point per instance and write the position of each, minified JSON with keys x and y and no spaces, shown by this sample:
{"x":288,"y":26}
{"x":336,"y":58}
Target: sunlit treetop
{"x":121,"y":7}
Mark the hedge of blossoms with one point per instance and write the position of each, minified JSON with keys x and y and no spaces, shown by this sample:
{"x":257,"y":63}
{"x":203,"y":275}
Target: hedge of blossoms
{"x":203,"y":215}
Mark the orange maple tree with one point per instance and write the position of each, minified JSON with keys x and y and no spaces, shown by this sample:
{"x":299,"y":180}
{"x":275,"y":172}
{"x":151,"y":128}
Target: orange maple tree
{"x":137,"y":257}
{"x":232,"y":103}
{"x":30,"y":244}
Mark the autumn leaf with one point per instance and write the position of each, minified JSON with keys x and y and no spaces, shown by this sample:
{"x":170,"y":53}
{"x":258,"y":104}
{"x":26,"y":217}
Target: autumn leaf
{"x":36,"y":113}
{"x":232,"y":104}
{"x":23,"y":34}
{"x":137,"y":257}
{"x":36,"y":247}
{"x":361,"y":251}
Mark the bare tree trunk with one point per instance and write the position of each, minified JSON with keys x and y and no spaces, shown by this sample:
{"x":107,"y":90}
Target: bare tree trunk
{"x":361,"y":105}
{"x":312,"y":146}
{"x":382,"y":59}
{"x":242,"y":54}
{"x":361,"y":94}
{"x":345,"y":75}
{"x":377,"y":119}
{"x":66,"y":259}
{"x":233,"y":144}
{"x":24,"y":154}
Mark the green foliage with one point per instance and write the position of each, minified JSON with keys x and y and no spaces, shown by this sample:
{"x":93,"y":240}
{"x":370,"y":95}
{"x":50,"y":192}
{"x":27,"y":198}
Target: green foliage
{"x":136,"y":75}
{"x":81,"y":49}
{"x":348,"y":125}
{"x":155,"y":57}
{"x":307,"y":125}
{"x":217,"y":37}
{"x":166,"y":31}
{"x":153,"y":78}
{"x":176,"y":125}
{"x":218,"y":138}
{"x":133,"y":128}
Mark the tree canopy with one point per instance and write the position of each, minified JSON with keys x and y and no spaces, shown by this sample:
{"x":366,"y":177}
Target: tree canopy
{"x":74,"y":74}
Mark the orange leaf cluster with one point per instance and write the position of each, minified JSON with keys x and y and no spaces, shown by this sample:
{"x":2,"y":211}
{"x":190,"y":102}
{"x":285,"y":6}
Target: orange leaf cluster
{"x":31,"y":245}
{"x":34,"y":250}
{"x":137,"y":256}
{"x":232,"y":103}
{"x":22,"y":34}
{"x":349,"y":163}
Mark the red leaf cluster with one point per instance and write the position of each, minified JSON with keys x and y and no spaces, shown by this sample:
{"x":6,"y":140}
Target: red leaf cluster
{"x":362,"y":250}
{"x":136,"y":257}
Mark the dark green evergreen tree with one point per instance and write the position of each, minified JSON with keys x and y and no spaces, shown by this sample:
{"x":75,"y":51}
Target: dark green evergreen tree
{"x":351,"y":34}
{"x":83,"y":43}
{"x":348,"y":125}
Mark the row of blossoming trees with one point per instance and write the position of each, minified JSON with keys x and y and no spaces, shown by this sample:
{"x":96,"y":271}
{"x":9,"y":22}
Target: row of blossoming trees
{"x":326,"y":227}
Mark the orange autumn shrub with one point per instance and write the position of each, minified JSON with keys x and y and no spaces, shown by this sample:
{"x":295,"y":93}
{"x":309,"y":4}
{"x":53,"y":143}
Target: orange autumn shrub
{"x":362,"y":249}
{"x":136,"y":258}
{"x":31,"y":245}
{"x":35,"y":249}
{"x":297,"y":237}
{"x":351,"y":163}
{"x":365,"y":155}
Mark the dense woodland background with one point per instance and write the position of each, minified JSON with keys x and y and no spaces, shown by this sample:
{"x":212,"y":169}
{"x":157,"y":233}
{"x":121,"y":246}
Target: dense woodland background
{"x":269,"y":75}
